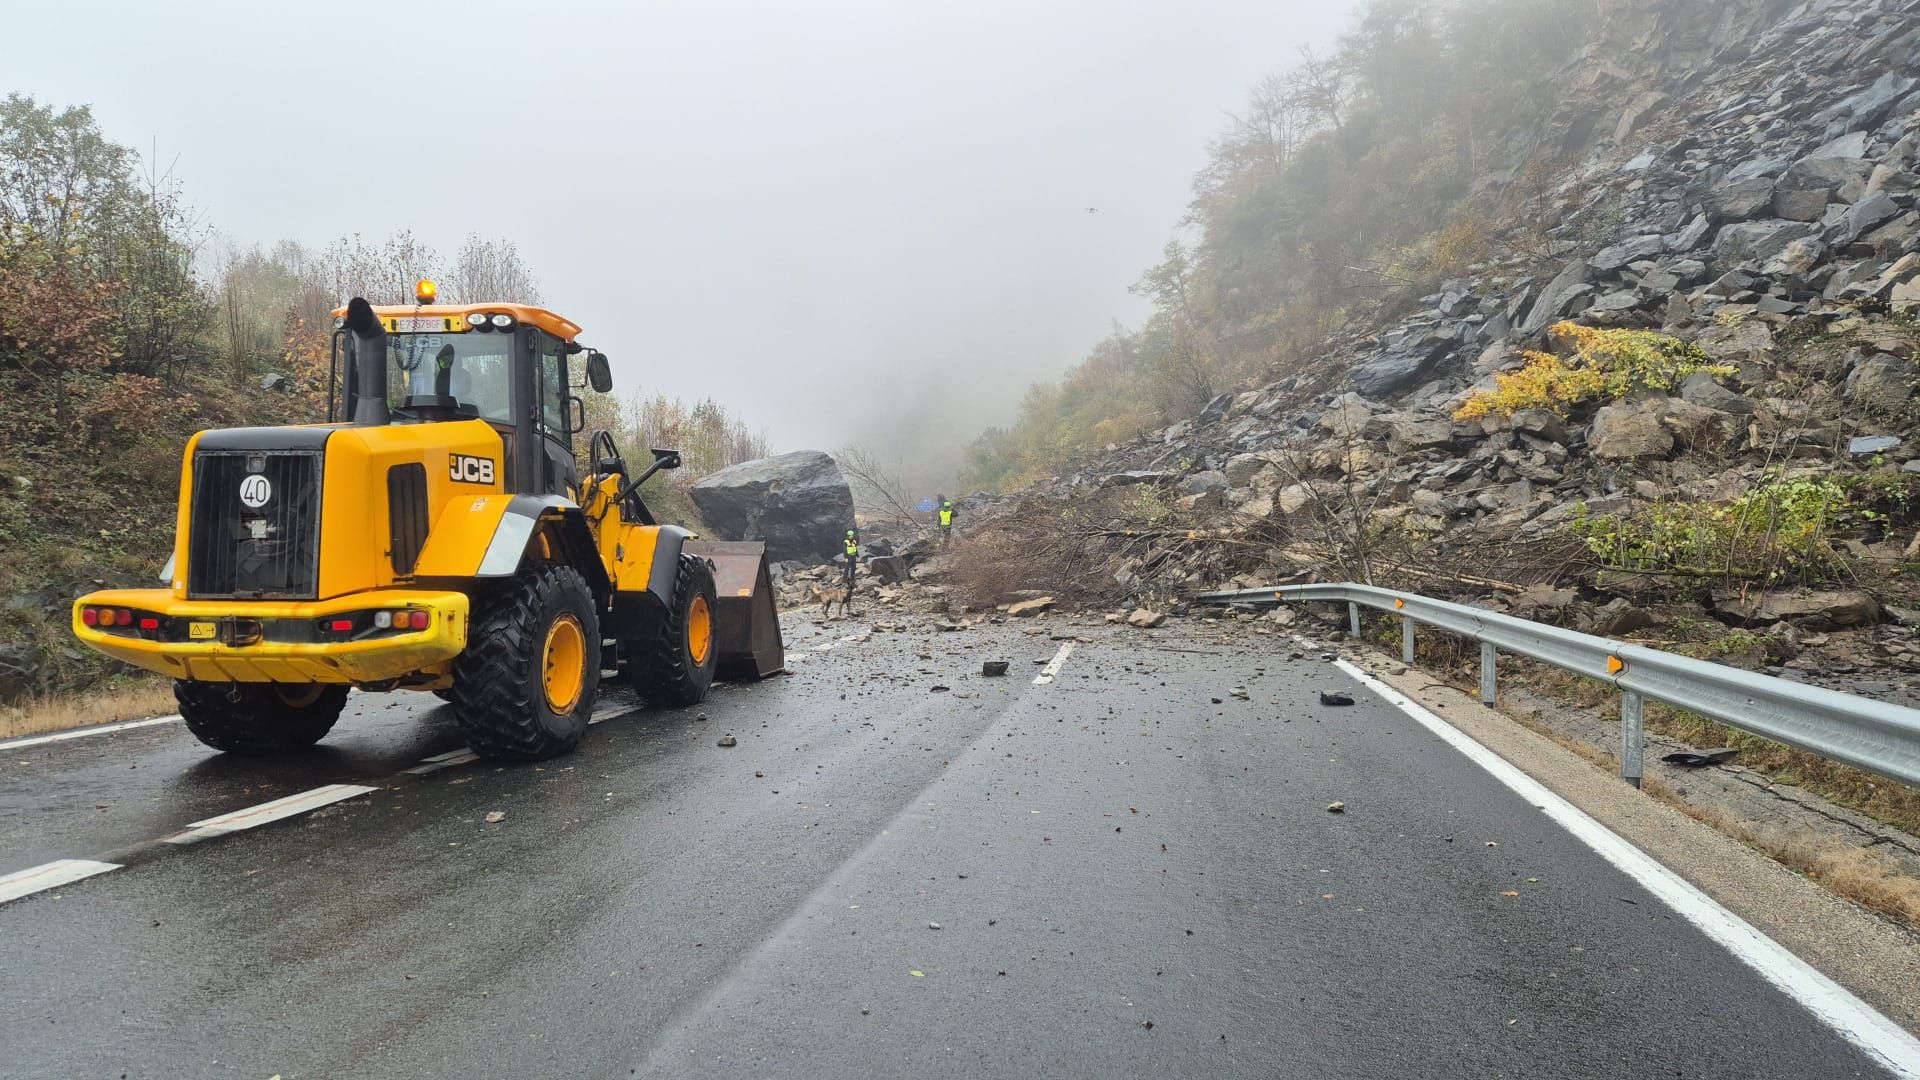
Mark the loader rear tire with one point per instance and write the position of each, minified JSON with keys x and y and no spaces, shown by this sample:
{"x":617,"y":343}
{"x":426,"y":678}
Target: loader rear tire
{"x":524,"y":689}
{"x":675,"y":668}
{"x":258,"y":718}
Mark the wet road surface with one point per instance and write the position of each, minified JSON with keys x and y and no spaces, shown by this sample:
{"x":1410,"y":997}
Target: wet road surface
{"x":1126,"y":871}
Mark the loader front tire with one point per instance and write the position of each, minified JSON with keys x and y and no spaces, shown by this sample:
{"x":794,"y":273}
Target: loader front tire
{"x":524,"y":689}
{"x":675,"y":668}
{"x":258,"y":718}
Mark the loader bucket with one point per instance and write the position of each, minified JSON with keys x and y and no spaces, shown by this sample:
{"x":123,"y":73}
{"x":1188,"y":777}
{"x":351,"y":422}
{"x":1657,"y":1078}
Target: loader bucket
{"x":746,"y":627}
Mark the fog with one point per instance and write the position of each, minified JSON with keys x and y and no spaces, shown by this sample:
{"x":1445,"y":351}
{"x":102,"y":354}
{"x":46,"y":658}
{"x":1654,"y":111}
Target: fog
{"x":853,"y":222}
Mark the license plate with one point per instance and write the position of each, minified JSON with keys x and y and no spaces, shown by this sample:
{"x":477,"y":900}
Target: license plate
{"x":203,"y":631}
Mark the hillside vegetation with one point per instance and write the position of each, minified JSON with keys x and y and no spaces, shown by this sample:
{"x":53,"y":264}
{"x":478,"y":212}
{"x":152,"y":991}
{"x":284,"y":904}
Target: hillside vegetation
{"x":1349,"y":183}
{"x":125,"y":326}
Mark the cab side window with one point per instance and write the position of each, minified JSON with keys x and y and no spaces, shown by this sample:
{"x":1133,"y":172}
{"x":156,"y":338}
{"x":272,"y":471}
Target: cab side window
{"x":553,"y":390}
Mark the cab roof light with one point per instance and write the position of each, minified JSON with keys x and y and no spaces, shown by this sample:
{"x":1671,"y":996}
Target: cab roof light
{"x":425,"y":291}
{"x":477,"y":319}
{"x":501,"y":321}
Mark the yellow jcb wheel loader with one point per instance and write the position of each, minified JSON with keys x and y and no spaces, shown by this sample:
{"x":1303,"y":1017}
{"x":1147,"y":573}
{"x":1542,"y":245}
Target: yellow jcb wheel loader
{"x":436,"y":533}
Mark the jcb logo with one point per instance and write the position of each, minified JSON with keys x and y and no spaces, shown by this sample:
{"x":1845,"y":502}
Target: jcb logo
{"x":471,"y":470}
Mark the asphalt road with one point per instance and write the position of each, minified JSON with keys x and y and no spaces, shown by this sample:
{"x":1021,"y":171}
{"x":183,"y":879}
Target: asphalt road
{"x":1127,"y":871}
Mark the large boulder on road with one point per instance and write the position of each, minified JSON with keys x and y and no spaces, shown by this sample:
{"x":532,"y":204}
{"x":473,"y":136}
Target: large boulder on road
{"x":798,"y":503}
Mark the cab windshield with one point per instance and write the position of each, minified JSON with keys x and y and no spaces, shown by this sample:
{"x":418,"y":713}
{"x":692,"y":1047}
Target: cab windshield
{"x":473,"y":369}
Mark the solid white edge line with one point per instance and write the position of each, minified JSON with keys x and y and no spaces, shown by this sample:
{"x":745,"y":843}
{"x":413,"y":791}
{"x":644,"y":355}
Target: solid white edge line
{"x":1053,"y":666}
{"x":49,"y":876}
{"x":267,"y":812}
{"x":1829,"y":1002}
{"x":81,"y":733}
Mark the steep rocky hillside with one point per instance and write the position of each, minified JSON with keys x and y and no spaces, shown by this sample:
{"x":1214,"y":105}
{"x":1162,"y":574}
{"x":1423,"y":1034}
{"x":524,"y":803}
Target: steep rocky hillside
{"x":1681,"y":397}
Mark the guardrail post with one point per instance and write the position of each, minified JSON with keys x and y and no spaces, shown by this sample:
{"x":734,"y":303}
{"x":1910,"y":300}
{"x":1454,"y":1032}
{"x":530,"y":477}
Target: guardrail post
{"x":1488,"y":660}
{"x":1353,"y":619}
{"x":1632,"y":738}
{"x":1406,"y":640}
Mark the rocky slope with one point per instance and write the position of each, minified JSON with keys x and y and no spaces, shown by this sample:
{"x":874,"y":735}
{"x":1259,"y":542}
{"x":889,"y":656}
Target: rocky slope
{"x":1743,"y":178}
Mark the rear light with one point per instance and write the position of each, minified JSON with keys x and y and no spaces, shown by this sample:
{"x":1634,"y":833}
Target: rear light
{"x":90,"y":616}
{"x":384,"y":619}
{"x":122,"y":617}
{"x":341,"y":626}
{"x":420,"y":620}
{"x":148,"y":622}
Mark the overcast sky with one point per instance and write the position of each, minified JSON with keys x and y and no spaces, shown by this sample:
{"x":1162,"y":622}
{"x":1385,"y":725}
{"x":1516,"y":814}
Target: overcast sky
{"x":836,"y":218}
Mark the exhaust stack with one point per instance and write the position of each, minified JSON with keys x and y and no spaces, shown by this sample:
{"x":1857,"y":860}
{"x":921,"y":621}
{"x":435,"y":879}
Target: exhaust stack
{"x":369,"y":384}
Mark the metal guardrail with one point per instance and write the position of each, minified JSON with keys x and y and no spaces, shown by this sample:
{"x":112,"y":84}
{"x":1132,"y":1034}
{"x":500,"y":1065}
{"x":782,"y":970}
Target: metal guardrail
{"x":1861,"y":732}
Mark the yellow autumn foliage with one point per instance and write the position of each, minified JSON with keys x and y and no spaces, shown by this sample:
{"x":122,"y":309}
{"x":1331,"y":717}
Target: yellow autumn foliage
{"x":1607,"y":364}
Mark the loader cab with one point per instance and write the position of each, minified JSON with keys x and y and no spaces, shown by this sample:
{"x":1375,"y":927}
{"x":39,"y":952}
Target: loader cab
{"x":510,"y":365}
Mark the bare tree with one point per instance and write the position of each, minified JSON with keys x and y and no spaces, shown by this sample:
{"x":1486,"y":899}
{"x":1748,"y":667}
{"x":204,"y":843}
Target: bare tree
{"x":1319,"y":85}
{"x":488,"y":271}
{"x":879,"y":492}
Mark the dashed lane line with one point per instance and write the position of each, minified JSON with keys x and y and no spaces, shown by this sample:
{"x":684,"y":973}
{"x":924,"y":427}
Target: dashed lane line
{"x":81,"y":733}
{"x":255,"y":816}
{"x":49,"y":876}
{"x":437,"y":762}
{"x":1829,"y":1002}
{"x":1053,"y":666}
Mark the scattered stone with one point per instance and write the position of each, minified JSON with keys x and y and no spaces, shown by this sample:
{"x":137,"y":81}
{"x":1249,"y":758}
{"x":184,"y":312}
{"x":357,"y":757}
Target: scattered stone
{"x":1028,"y":608}
{"x":1336,"y":807}
{"x":1694,"y":759}
{"x":495,"y":817}
{"x":728,"y":740}
{"x":993,"y":668}
{"x":1145,"y":619}
{"x":1335,"y":697}
{"x":1872,"y":444}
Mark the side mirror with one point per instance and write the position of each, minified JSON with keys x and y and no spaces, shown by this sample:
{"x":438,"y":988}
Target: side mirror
{"x":666,"y":459}
{"x":577,"y":414}
{"x":599,"y":375}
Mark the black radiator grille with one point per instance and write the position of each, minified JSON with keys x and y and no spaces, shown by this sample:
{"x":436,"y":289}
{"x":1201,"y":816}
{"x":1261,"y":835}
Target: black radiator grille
{"x":250,"y":539}
{"x":406,"y":515}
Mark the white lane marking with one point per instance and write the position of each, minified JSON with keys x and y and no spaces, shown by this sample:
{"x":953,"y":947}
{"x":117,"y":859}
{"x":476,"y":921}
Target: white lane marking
{"x":442,"y":761}
{"x":840,"y":642}
{"x":1053,"y":666}
{"x":1829,"y":1002}
{"x":607,"y":713}
{"x":255,"y":816}
{"x":51,"y":875}
{"x":81,"y":733}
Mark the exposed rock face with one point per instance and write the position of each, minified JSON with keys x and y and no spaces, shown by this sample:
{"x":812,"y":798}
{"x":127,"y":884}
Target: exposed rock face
{"x":1840,"y":607}
{"x":798,"y":503}
{"x":1880,"y":380}
{"x":1628,"y":431}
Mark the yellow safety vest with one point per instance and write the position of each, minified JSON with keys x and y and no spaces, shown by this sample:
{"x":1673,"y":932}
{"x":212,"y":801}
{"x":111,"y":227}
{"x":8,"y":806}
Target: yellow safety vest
{"x":853,"y":548}
{"x":946,"y":515}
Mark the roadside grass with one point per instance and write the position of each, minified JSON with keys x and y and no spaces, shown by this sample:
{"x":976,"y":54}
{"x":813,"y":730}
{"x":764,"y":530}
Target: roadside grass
{"x":132,"y":697}
{"x":1847,"y":870}
{"x":1886,"y":801}
{"x":1862,"y":876}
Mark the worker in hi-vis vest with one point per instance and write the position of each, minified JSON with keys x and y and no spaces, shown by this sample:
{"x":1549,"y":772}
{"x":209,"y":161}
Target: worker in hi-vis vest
{"x":853,"y":556}
{"x":946,"y":520}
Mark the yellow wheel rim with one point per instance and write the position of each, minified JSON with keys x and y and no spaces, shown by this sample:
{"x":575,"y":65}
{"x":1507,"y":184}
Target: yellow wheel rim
{"x":699,"y":630}
{"x":564,"y":664}
{"x":297,"y":696}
